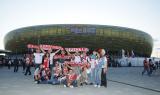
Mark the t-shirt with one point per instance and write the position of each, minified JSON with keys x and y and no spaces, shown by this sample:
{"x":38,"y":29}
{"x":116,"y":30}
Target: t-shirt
{"x":77,"y":59}
{"x":46,"y":62}
{"x":146,"y":65}
{"x":51,"y":58}
{"x":72,"y":77}
{"x":93,"y":61}
{"x":43,"y":73}
{"x":27,"y":60}
{"x":102,"y":62}
{"x":38,"y":58}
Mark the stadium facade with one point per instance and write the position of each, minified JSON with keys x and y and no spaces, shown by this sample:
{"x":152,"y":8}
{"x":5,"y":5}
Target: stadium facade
{"x":112,"y":38}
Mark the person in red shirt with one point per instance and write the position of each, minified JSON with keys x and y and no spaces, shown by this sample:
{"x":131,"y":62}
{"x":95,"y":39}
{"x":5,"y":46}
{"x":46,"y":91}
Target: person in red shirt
{"x":46,"y":60}
{"x":71,"y":79}
{"x":146,"y":67}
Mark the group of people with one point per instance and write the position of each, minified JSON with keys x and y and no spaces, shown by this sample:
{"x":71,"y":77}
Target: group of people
{"x":149,"y":66}
{"x":69,"y":68}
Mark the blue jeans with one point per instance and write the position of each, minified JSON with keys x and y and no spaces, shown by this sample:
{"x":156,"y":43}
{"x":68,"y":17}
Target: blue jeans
{"x":92,"y":77}
{"x":54,"y":81}
{"x":98,"y":71}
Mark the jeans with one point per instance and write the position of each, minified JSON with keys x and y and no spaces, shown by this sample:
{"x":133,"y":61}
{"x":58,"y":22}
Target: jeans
{"x":15,"y":67}
{"x":54,"y":81}
{"x":103,"y":78}
{"x":148,"y":72}
{"x":28,"y":70}
{"x":98,"y":71}
{"x":92,"y":75}
{"x":37,"y":66}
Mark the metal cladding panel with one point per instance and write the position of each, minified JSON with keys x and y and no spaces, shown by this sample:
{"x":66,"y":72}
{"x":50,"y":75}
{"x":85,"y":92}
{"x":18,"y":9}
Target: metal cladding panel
{"x":113,"y":38}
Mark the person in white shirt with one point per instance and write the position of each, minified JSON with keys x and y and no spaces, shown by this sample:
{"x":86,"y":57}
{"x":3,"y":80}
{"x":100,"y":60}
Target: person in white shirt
{"x":38,"y":58}
{"x":52,"y":54}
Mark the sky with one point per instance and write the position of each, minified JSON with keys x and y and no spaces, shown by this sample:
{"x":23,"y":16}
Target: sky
{"x":138,"y":14}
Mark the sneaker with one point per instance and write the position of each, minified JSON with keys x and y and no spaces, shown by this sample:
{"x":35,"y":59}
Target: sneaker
{"x":98,"y":86}
{"x":36,"y":82}
{"x":71,"y":86}
{"x":65,"y":86}
{"x":95,"y":85}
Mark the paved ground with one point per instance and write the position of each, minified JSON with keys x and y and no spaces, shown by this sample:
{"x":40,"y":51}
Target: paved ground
{"x":122,"y":81}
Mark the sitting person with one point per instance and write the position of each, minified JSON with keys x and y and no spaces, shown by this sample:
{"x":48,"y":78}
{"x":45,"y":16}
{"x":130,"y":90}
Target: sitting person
{"x":57,"y":75}
{"x":83,"y":77}
{"x":44,"y":77}
{"x":37,"y":76}
{"x":71,"y":79}
{"x":65,"y":70}
{"x":48,"y":73}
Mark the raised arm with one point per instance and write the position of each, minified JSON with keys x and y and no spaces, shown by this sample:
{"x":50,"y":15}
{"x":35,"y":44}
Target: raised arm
{"x":42,"y":50}
{"x":57,"y":51}
{"x":68,"y":52}
{"x":69,"y":66}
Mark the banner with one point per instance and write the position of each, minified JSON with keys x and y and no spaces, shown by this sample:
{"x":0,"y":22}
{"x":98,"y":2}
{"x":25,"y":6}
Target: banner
{"x":32,"y":46}
{"x":62,"y":57}
{"x":76,"y":49}
{"x":45,"y":47}
{"x":76,"y":64}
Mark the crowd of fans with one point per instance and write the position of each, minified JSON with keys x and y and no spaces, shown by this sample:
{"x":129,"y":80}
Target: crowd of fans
{"x":69,"y":68}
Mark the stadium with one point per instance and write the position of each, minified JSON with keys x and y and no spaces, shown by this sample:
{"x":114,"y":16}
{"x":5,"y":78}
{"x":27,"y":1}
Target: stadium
{"x":111,"y":38}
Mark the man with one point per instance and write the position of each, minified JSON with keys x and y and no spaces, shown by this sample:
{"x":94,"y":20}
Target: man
{"x":52,"y":54}
{"x":38,"y":58}
{"x":146,"y":67}
{"x":15,"y":65}
{"x":28,"y":65}
{"x":9,"y":63}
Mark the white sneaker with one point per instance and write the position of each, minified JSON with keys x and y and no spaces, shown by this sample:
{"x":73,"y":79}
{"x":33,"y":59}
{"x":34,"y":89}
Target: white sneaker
{"x":71,"y":86}
{"x":99,"y":86}
{"x":95,"y":85}
{"x":36,"y":82}
{"x":65,"y":86}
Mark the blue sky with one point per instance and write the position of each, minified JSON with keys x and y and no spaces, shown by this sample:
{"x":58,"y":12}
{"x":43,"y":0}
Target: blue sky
{"x":139,"y":14}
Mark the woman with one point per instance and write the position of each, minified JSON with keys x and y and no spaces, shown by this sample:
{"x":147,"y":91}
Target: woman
{"x":101,"y":70}
{"x":46,"y":60}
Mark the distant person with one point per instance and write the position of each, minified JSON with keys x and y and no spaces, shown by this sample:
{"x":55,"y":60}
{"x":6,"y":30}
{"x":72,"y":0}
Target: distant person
{"x":156,"y":63}
{"x":16,"y":65}
{"x":28,"y":65}
{"x":146,"y":67}
{"x":159,"y":64}
{"x":9,"y":63}
{"x":151,"y":66}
